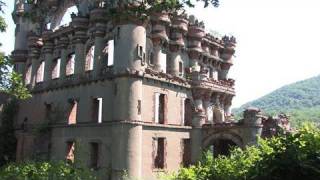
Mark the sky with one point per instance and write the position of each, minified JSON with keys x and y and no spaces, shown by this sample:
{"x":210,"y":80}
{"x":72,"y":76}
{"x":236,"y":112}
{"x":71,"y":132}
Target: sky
{"x":278,"y":41}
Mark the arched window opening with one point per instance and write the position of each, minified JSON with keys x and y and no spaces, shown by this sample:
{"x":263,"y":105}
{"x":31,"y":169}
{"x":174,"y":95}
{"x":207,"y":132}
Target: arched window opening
{"x":70,"y":64}
{"x":90,"y":59}
{"x":40,"y":73}
{"x":28,"y":75}
{"x":64,"y":19}
{"x":109,"y":53}
{"x":56,"y":68}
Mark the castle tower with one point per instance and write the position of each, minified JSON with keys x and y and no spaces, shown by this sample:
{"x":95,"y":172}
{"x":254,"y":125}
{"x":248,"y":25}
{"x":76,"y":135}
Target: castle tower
{"x":137,"y":94}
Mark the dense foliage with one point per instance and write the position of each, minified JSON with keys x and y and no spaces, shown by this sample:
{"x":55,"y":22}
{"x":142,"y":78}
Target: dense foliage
{"x":45,"y":171}
{"x":301,"y":100}
{"x":7,"y":136}
{"x":293,"y":156}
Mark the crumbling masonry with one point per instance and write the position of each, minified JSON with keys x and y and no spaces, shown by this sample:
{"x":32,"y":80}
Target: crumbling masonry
{"x":134,"y":95}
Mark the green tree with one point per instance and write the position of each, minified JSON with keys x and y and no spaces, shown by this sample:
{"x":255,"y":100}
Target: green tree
{"x":10,"y":81}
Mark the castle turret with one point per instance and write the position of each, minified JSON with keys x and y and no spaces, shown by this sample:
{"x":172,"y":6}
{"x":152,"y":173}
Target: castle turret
{"x":227,"y":53}
{"x":177,"y":44}
{"x":23,"y":26}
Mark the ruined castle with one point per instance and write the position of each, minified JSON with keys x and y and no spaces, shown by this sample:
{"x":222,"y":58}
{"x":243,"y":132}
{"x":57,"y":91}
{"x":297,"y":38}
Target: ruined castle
{"x":141,"y":95}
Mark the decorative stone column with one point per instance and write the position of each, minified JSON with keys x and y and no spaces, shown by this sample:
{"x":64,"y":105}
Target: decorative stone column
{"x":198,"y":119}
{"x":80,"y":25}
{"x":63,"y":45}
{"x":48,"y":55}
{"x":34,"y":44}
{"x":97,"y":18}
{"x":179,"y":29}
{"x":227,"y":53}
{"x":227,"y":106}
{"x":195,"y":35}
{"x":252,"y":119}
{"x":218,"y":112}
{"x":208,"y":107}
{"x":159,"y":22}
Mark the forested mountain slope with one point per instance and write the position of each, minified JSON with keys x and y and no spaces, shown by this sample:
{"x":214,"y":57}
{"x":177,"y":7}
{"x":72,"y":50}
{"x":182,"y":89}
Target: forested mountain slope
{"x":301,"y":100}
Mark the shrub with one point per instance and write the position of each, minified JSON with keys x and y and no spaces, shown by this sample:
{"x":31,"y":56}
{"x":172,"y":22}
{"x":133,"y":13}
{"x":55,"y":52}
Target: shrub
{"x":45,"y":171}
{"x":291,"y":156}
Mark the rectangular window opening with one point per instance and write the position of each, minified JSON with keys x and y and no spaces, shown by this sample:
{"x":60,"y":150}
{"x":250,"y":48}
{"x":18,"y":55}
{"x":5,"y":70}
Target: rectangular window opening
{"x":160,"y":106}
{"x":72,"y":117}
{"x":70,"y":152}
{"x":70,"y":64}
{"x":186,"y":155}
{"x":97,"y":110}
{"x":159,"y":148}
{"x":110,"y":53}
{"x":56,"y":69}
{"x":187,"y":112}
{"x":90,"y":59}
{"x":94,"y":155}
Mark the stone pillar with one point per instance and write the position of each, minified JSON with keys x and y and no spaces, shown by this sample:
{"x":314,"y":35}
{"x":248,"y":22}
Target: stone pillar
{"x":208,"y":107}
{"x":34,"y":44}
{"x":227,"y":53}
{"x":97,"y":17}
{"x":252,"y":119}
{"x":195,"y":35}
{"x":127,"y":133}
{"x":63,"y":45}
{"x":159,"y":37}
{"x":227,"y":106}
{"x":80,"y":25}
{"x":175,"y":59}
{"x":48,"y":56}
{"x":218,"y":112}
{"x":198,"y":119}
{"x":23,"y":26}
{"x":196,"y":136}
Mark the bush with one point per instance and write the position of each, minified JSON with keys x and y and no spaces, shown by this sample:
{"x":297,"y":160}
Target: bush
{"x":45,"y":171}
{"x":292,"y":156}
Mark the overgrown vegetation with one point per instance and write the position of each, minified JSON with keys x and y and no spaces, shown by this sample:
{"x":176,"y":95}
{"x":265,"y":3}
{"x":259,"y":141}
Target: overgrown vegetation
{"x":292,"y":156}
{"x":45,"y":171}
{"x":301,"y":100}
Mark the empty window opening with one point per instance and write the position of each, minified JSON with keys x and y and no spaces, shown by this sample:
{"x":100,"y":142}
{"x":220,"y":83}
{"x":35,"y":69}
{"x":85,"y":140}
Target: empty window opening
{"x":186,"y":155}
{"x":56,"y":68}
{"x":90,"y":59}
{"x":160,"y":105}
{"x":140,"y":51}
{"x":70,"y":64}
{"x":72,"y":116}
{"x":139,"y":107}
{"x":28,"y":75}
{"x":97,"y":110}
{"x":94,"y":155}
{"x":180,"y":68}
{"x":63,"y":19}
{"x":110,"y":53}
{"x":159,"y":151}
{"x":163,"y":61}
{"x":40,"y":72}
{"x":151,"y":58}
{"x":48,"y":110}
{"x":187,"y":112}
{"x":70,"y":152}
{"x":118,"y":32}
